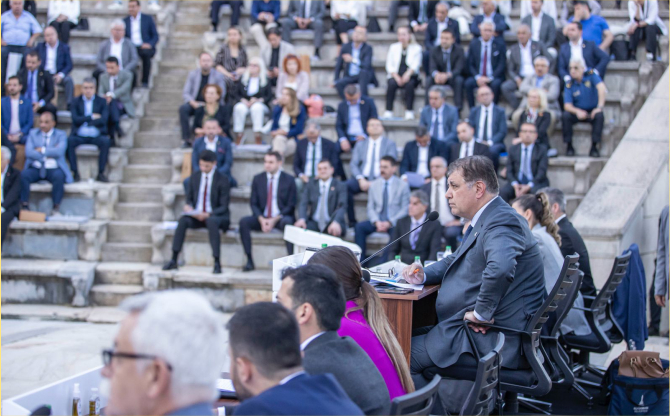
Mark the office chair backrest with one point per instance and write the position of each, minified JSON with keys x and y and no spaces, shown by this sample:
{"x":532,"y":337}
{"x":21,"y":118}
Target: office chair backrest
{"x":566,"y":304}
{"x":617,"y":274}
{"x":419,"y":402}
{"x":484,"y":390}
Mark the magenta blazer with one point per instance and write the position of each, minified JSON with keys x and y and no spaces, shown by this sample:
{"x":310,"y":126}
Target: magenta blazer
{"x":355,"y":326}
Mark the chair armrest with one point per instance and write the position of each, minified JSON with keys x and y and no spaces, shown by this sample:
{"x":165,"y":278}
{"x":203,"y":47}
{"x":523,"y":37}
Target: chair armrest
{"x":589,"y":297}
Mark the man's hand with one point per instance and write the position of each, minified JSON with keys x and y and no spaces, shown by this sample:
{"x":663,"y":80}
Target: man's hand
{"x":240,"y":71}
{"x":304,"y":178}
{"x":516,"y":141}
{"x":347,"y":57}
{"x":363,"y":184}
{"x":595,"y":111}
{"x":518,"y":82}
{"x":345,"y":146}
{"x":301,"y":223}
{"x":582,"y":114}
{"x":195,"y":104}
{"x":360,"y":138}
{"x":268,"y":17}
{"x":334,"y":229}
{"x":476,"y":325}
{"x":482,"y":81}
{"x":660,"y":300}
{"x":36,"y":106}
{"x":265,"y":224}
{"x":524,"y":189}
{"x":413,"y":274}
{"x":517,"y":190}
{"x":61,"y":18}
{"x":632,"y":28}
{"x":336,"y":16}
{"x":382,"y":226}
{"x":245,"y":102}
{"x":643,"y":23}
{"x":4,"y":43}
{"x":57,"y":79}
{"x":145,"y":46}
{"x":14,"y":138}
{"x":406,"y":77}
{"x":108,"y":99}
{"x":95,"y":116}
{"x":39,"y":149}
{"x":397,"y":79}
{"x":188,"y":208}
{"x":440,"y":77}
{"x":202,"y":217}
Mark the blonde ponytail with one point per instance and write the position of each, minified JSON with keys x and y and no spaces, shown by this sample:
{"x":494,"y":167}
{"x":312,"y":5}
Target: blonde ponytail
{"x":547,"y":218}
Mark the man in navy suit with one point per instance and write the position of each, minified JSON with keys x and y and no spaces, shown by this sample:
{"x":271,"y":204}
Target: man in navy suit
{"x":266,"y":367}
{"x":435,"y":27}
{"x":356,"y":61}
{"x":418,"y":153}
{"x":353,"y":115}
{"x":447,"y":67}
{"x":38,"y":85}
{"x":420,"y":13}
{"x":576,"y":47}
{"x":310,"y":151}
{"x":141,"y":30}
{"x":439,"y":118}
{"x":490,"y":124}
{"x":17,"y":113}
{"x":273,"y":200}
{"x":490,"y":15}
{"x":486,"y":63}
{"x":220,"y":145}
{"x":57,"y":60}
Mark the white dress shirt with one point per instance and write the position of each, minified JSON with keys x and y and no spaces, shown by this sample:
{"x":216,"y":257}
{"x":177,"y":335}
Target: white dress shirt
{"x":275,"y":186}
{"x":441,"y":26}
{"x":575,"y":53}
{"x":291,"y":377}
{"x":211,"y":145}
{"x":371,"y":169}
{"x":305,"y":343}
{"x":136,"y":29}
{"x":473,"y":222}
{"x":306,"y":5}
{"x":527,"y":68}
{"x":440,"y":188}
{"x":253,"y":86}
{"x":49,"y":162}
{"x":115,"y":49}
{"x":535,"y":26}
{"x":310,"y":163}
{"x":422,"y":168}
{"x":205,"y":177}
{"x":50,"y":64}
{"x":560,"y":218}
{"x":489,"y":128}
{"x":15,"y":124}
{"x":467,"y":149}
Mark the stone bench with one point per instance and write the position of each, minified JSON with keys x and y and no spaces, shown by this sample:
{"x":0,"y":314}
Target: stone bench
{"x":88,"y":199}
{"x":61,"y":240}
{"x":47,"y":282}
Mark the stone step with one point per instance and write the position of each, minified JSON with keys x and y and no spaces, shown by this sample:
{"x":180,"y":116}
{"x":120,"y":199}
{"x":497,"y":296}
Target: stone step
{"x":129,"y":232}
{"x":157,"y":140}
{"x":149,"y":157}
{"x":133,"y":192}
{"x":113,"y":295}
{"x":120,"y":273}
{"x":126,"y":252}
{"x":155,"y":123}
{"x":139,"y":211}
{"x":146,"y":174}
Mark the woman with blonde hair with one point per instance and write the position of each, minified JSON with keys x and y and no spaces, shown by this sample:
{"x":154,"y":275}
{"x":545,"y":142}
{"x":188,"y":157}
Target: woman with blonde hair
{"x":293,"y":77}
{"x":288,"y":122}
{"x":231,"y":60}
{"x":536,"y":112}
{"x":252,"y":96}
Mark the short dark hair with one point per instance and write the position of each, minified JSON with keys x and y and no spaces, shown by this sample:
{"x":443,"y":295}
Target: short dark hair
{"x":34,"y":54}
{"x":319,"y":286}
{"x":276,"y":154}
{"x":420,"y":131}
{"x":46,"y":111}
{"x":326,"y":161}
{"x":268,"y":335}
{"x":274,"y":31}
{"x":390,"y":159}
{"x":529,"y":124}
{"x":352,"y":89}
{"x":136,"y":1}
{"x":16,"y":78}
{"x":476,"y":168}
{"x":207,"y":156}
{"x":447,"y":31}
{"x":113,"y":59}
{"x":579,"y":25}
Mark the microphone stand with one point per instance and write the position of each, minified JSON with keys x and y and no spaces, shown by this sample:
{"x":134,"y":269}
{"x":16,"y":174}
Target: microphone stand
{"x":398,"y":239}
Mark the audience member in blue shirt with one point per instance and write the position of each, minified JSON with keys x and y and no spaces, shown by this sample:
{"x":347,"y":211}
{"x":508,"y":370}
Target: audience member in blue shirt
{"x":595,"y":28}
{"x":20,"y":29}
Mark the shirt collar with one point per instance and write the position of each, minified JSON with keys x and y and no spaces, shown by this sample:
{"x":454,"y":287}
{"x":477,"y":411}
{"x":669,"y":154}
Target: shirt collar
{"x":560,"y":218}
{"x":276,"y":175}
{"x":208,"y":175}
{"x":420,"y":220}
{"x":87,"y":100}
{"x":479,"y":213}
{"x":136,"y":18}
{"x":48,"y":134}
{"x":291,"y":377}
{"x":357,"y":103}
{"x":581,"y":40}
{"x":5,"y":171}
{"x":216,"y":139}
{"x":527,"y":44}
{"x":441,"y":181}
{"x":539,"y":16}
{"x":305,"y":343}
{"x":115,"y":42}
{"x":439,"y":110}
{"x":326,"y":183}
{"x":529,"y":147}
{"x":448,"y":50}
{"x":489,"y":43}
{"x":53,"y":47}
{"x":488,"y":107}
{"x":318,"y":142}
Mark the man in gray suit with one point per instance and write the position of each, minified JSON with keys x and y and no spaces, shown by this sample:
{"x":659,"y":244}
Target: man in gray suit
{"x":542,"y":26}
{"x":540,"y":79}
{"x":299,"y":18}
{"x":388,"y":201}
{"x":440,"y":118}
{"x":118,"y":46}
{"x":323,"y":204}
{"x":274,"y":52}
{"x":365,"y":160}
{"x":116,"y":87}
{"x":315,"y":295}
{"x":496,"y":275}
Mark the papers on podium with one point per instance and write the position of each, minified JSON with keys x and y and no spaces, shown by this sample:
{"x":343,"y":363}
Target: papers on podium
{"x":380,"y":274}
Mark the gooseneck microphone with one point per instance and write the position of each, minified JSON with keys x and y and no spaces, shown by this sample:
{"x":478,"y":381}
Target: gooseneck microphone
{"x":431,"y":217}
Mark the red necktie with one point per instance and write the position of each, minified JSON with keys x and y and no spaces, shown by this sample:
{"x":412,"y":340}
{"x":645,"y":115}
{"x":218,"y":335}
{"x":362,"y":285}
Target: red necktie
{"x":204,"y":196}
{"x":269,"y":201}
{"x":485,"y":60}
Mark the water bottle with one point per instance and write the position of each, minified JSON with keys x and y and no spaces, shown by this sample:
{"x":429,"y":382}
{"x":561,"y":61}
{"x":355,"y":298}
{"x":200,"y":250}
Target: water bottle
{"x":417,"y":260}
{"x":397,"y":269}
{"x":447,"y":252}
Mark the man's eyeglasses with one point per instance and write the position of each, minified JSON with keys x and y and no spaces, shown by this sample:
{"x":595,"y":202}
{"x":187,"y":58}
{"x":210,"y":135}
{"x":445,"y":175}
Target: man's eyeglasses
{"x":108,"y":354}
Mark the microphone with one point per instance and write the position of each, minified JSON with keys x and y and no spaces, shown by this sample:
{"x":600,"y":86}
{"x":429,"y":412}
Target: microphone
{"x":431,"y":217}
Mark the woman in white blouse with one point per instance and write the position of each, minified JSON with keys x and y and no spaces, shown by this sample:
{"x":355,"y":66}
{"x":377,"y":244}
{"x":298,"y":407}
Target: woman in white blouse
{"x":253,"y":95}
{"x":63,"y":15}
{"x":403,"y":63}
{"x":346,"y":15}
{"x":644,"y":25}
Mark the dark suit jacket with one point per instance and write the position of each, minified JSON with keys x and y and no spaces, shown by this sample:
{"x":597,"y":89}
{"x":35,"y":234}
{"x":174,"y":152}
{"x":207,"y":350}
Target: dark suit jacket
{"x":514,"y":58}
{"x":539,"y":163}
{"x":329,"y":151}
{"x":410,"y":155}
{"x":224,"y":157}
{"x":498,"y":124}
{"x":297,"y":124}
{"x":414,"y":9}
{"x":571,"y":243}
{"x":239,"y":91}
{"x":286,"y":194}
{"x":547,"y":29}
{"x":11,"y":191}
{"x":45,"y":84}
{"x":352,"y":367}
{"x":498,"y":58}
{"x":368,"y":111}
{"x":365,"y":57}
{"x":337,"y":201}
{"x":480,"y":149}
{"x":305,"y":394}
{"x":498,"y":19}
{"x":25,"y":116}
{"x":497,"y":271}
{"x":78,"y":111}
{"x":542,"y":123}
{"x":594,"y":57}
{"x":432,"y":35}
{"x":427,"y":245}
{"x":438,"y":64}
{"x":147,"y":27}
{"x":219,"y":197}
{"x":63,"y":57}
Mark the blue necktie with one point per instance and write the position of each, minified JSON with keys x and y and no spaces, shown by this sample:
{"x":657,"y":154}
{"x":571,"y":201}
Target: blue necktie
{"x":525,"y":177}
{"x":43,"y":168}
{"x":467,"y":233}
{"x":29,"y":92}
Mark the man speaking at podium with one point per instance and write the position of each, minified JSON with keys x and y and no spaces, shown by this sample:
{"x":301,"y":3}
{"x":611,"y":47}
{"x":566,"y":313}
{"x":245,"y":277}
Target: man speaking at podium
{"x":496,"y":275}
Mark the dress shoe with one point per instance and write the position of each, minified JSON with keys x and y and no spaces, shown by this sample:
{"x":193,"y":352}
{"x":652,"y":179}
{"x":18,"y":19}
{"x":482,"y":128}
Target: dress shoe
{"x":76,"y":177}
{"x":186,"y":145}
{"x":171,"y":265}
{"x":594,"y":152}
{"x":570,"y":151}
{"x":101,"y":178}
{"x":249,"y":266}
{"x":217,"y":268}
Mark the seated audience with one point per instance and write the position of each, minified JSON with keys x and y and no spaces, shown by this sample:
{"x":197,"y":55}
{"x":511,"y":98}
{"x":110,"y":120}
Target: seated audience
{"x":353,"y":116}
{"x":231,"y":60}
{"x":292,"y":76}
{"x":215,"y":9}
{"x":403,"y":63}
{"x":571,"y":241}
{"x":438,"y":117}
{"x":273,"y":199}
{"x":288,"y":122}
{"x":584,"y":102}
{"x":316,"y":297}
{"x":490,"y":124}
{"x":420,"y":14}
{"x":355,"y":63}
{"x":222,"y":147}
{"x":520,"y":64}
{"x":424,"y":242}
{"x":418,"y":153}
{"x":595,"y":26}
{"x":119,"y":47}
{"x":11,"y":191}
{"x":547,"y":8}
{"x":365,"y":320}
{"x":365,"y":162}
{"x":212,"y":110}
{"x":45,"y":161}
{"x":323,"y":204}
{"x":20,"y":31}
{"x":467,"y":145}
{"x":264,"y":16}
{"x":116,"y":86}
{"x":486,"y":64}
{"x":89,"y":126}
{"x":252,"y":96}
{"x":311,"y":150}
{"x":38,"y":85}
{"x":537,"y":113}
{"x":299,"y":18}
{"x":436,"y":189}
{"x":141,"y":30}
{"x":393,"y":12}
{"x":274,"y":52}
{"x":541,"y":78}
{"x":63,"y":16}
{"x":57,"y":60}
{"x":535,"y":209}
{"x":169,"y":378}
{"x":207,"y":200}
{"x":346,"y":15}
{"x":193,"y":93}
{"x":489,"y":15}
{"x":388,"y":198}
{"x":578,"y":48}
{"x":644,"y":25}
{"x":541,"y":23}
{"x":17,"y":113}
{"x":527,"y":165}
{"x":267,"y":370}
{"x":447,"y":67}
{"x":439,"y":24}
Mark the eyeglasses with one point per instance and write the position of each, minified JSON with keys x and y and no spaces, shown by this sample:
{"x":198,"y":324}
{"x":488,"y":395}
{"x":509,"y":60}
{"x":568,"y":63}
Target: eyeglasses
{"x":109,"y":354}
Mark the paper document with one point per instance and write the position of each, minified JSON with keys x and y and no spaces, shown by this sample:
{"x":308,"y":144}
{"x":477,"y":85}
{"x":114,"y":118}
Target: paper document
{"x":192,"y":213}
{"x":392,"y":282}
{"x":225,"y":384}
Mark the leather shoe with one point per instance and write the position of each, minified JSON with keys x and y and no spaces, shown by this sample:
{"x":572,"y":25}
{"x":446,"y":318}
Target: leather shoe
{"x":76,"y":177}
{"x":186,"y":145}
{"x":101,"y":178}
{"x":171,"y":265}
{"x":570,"y":151}
{"x":249,"y":267}
{"x":594,"y":152}
{"x":217,"y":269}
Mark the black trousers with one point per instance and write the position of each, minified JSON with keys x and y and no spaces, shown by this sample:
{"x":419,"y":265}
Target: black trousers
{"x":570,"y":120}
{"x":654,"y":309}
{"x":649,"y":34}
{"x":456,"y":84}
{"x":63,"y":29}
{"x":145,"y":56}
{"x":363,"y":79}
{"x":408,"y":90}
{"x":235,"y":7}
{"x":7,"y":218}
{"x":101,"y":142}
{"x":116,"y":110}
{"x":213,"y":225}
{"x":185,"y":113}
{"x":251,"y":223}
{"x":343,"y":26}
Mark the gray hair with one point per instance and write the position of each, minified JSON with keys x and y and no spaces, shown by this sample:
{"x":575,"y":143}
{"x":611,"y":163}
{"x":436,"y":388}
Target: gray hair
{"x":439,"y":158}
{"x":579,"y":61}
{"x":441,"y":90}
{"x":555,"y":196}
{"x":475,"y":169}
{"x":172,"y":325}
{"x":487,"y":23}
{"x":542,"y":58}
{"x":118,"y":22}
{"x":89,"y":80}
{"x":523,"y":26}
{"x":6,"y":153}
{"x":421,"y":196}
{"x":352,"y":89}
{"x":312,"y":123}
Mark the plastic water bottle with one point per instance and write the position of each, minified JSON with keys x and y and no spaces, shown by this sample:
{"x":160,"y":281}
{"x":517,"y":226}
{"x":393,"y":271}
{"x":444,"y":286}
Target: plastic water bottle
{"x":397,"y":269}
{"x":447,"y":252}
{"x":417,"y":260}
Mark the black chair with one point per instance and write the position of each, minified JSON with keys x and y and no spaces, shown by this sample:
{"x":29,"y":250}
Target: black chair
{"x":485,"y":389}
{"x":419,"y":402}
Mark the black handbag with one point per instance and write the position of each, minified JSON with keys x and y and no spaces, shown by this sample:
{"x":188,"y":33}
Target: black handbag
{"x":620,"y":50}
{"x":373,"y":25}
{"x":83,"y":24}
